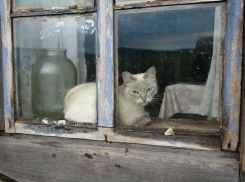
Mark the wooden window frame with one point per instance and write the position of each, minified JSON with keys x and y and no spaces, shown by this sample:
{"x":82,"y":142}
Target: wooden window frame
{"x":105,"y":81}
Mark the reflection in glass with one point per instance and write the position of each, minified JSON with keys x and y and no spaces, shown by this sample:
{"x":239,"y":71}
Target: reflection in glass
{"x":45,"y":5}
{"x":184,"y":46}
{"x":76,"y":34}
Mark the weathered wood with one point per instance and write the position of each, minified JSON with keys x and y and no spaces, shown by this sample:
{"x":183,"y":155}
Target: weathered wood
{"x":232,"y":74}
{"x":127,"y":4}
{"x":197,"y":153}
{"x":39,"y":6}
{"x":180,"y":126}
{"x":191,"y":141}
{"x":58,"y":161}
{"x":105,"y":76}
{"x":8,"y":89}
{"x":53,"y":12}
{"x":1,"y":85}
{"x":242,"y":137}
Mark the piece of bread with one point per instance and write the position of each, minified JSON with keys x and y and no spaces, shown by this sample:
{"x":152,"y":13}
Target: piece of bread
{"x":169,"y":132}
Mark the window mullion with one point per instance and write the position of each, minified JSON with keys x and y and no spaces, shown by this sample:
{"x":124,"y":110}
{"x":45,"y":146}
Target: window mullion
{"x":232,"y":74}
{"x":105,"y":78}
{"x":7,"y":66}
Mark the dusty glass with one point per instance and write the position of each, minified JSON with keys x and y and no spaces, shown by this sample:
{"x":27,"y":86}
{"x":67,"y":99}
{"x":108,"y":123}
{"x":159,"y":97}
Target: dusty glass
{"x":183,"y":43}
{"x":75,"y":33}
{"x":51,"y":79}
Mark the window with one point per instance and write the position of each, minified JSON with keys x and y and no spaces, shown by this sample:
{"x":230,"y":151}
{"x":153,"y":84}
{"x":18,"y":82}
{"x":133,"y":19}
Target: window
{"x":39,"y":79}
{"x":184,"y":43}
{"x":186,"y":53}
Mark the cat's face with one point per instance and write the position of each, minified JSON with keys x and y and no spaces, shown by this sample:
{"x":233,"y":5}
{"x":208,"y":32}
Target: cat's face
{"x":140,"y":88}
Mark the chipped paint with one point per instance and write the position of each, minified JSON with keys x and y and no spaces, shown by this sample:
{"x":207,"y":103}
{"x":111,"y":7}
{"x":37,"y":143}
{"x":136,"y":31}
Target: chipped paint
{"x":232,"y":74}
{"x":105,"y":80}
{"x":7,"y":66}
{"x":53,"y":12}
{"x":179,"y":141}
{"x":125,"y":4}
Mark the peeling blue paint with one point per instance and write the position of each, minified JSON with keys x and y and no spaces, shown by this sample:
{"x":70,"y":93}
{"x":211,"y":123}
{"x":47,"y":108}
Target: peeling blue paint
{"x":174,"y":140}
{"x":48,"y":143}
{"x":28,"y":127}
{"x":231,"y":30}
{"x":6,"y":50}
{"x":233,"y":57}
{"x":105,"y":64}
{"x":54,"y":12}
{"x":233,"y":126}
{"x":44,"y":130}
{"x":52,"y":129}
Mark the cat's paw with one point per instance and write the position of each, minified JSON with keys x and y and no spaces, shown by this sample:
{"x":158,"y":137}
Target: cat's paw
{"x":145,"y":121}
{"x":146,"y":114}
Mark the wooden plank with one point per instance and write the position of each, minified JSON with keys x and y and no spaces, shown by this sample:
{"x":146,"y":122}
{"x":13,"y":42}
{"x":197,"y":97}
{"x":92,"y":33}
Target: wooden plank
{"x":128,"y":4}
{"x":1,"y":85}
{"x":191,"y":141}
{"x":180,"y":126}
{"x":197,"y":153}
{"x":105,"y":76}
{"x":55,"y":5}
{"x":59,"y":161}
{"x":53,"y":12}
{"x":242,"y":137}
{"x":7,"y":66}
{"x":232,"y":74}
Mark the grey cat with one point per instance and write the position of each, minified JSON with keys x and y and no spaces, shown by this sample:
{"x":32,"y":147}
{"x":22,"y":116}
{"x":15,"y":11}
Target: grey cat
{"x":136,"y":92}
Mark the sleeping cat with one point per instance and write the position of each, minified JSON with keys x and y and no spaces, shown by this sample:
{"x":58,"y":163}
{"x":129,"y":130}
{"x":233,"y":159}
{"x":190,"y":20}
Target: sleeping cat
{"x":136,"y":92}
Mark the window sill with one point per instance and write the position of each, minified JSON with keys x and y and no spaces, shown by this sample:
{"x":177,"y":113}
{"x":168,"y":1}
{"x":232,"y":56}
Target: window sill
{"x":179,"y":126}
{"x":198,"y":141}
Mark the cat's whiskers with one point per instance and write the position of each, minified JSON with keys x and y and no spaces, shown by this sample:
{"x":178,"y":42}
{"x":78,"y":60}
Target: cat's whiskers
{"x":153,"y":106}
{"x":156,"y":102}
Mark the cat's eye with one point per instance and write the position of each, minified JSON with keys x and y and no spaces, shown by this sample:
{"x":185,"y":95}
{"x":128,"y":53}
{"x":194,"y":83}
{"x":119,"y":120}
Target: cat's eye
{"x":135,"y":92}
{"x":148,"y":90}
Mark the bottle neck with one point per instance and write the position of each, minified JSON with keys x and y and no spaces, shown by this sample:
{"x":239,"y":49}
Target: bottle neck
{"x":54,"y":52}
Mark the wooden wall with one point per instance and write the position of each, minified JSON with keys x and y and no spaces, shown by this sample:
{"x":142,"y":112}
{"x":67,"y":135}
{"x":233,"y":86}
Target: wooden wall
{"x":37,"y":158}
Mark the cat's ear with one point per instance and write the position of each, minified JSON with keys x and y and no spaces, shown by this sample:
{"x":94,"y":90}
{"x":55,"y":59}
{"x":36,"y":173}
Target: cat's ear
{"x":127,"y":77}
{"x":150,"y":73}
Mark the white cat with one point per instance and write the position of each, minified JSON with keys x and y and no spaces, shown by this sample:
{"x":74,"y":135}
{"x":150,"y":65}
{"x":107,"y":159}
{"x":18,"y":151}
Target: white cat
{"x":136,"y":92}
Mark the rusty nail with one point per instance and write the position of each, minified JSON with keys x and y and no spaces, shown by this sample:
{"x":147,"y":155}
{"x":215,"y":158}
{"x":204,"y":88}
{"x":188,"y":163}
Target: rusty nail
{"x":105,"y":135}
{"x":117,"y":165}
{"x":106,"y":140}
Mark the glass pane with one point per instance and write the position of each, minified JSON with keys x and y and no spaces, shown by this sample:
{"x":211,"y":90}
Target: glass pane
{"x":52,"y":55}
{"x":183,"y":45}
{"x":44,"y":5}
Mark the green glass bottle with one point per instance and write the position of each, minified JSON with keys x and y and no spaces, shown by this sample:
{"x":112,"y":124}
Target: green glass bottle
{"x":52,"y":77}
